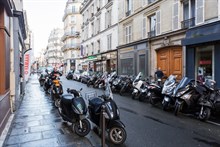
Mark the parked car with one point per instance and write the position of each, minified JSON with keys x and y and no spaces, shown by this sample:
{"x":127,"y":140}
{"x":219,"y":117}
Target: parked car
{"x":85,"y":76}
{"x":69,"y":75}
{"x":76,"y":75}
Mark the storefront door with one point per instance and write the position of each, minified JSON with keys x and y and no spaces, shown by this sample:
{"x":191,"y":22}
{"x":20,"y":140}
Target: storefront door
{"x":170,"y":61}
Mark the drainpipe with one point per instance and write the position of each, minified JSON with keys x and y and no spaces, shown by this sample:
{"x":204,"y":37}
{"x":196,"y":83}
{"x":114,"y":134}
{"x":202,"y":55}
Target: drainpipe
{"x":184,"y":60}
{"x":12,"y":72}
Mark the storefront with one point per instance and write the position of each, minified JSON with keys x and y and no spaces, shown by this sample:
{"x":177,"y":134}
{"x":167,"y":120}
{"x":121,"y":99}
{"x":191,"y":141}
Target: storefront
{"x":133,"y":59}
{"x":103,"y":62}
{"x":203,"y":52}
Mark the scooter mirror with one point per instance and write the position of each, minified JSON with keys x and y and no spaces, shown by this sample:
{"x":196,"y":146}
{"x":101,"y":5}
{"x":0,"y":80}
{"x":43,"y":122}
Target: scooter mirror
{"x":80,"y":89}
{"x":68,"y":90}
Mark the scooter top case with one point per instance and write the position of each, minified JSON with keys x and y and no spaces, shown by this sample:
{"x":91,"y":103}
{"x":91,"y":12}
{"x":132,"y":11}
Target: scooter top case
{"x":70,"y":103}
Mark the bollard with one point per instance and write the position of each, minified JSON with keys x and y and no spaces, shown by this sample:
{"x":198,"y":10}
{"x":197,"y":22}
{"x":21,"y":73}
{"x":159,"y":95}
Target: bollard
{"x":103,"y":125}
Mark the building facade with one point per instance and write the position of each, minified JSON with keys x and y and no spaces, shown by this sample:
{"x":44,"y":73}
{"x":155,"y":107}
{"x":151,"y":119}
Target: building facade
{"x":153,"y":42}
{"x":72,"y":31}
{"x":99,"y":35}
{"x":202,"y":42}
{"x":54,"y":54}
{"x":13,"y":33}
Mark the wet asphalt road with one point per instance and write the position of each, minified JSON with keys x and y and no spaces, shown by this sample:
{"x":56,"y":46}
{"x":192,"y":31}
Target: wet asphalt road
{"x":149,"y":126}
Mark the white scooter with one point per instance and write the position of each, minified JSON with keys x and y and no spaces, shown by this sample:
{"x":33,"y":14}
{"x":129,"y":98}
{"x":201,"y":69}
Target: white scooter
{"x":137,"y":83}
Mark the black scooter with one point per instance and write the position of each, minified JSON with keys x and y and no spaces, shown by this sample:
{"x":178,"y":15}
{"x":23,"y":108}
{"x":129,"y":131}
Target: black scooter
{"x":114,"y":127}
{"x":73,"y":109}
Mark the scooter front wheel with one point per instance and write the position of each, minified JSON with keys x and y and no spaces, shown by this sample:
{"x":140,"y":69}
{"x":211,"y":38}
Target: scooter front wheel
{"x":117,"y":135}
{"x":82,"y":130}
{"x":205,"y":113}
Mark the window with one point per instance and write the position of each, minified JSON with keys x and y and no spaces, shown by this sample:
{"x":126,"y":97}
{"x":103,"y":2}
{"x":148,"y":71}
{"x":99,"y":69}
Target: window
{"x":151,"y":1}
{"x":108,"y":18}
{"x":128,"y":7}
{"x":127,"y":66}
{"x":152,"y":21}
{"x":188,"y":14}
{"x":109,"y":42}
{"x":92,"y":29}
{"x":128,"y":34}
{"x":199,"y":11}
{"x":142,"y":64}
{"x":204,"y":63}
{"x":73,"y":9}
{"x":98,"y":25}
{"x":98,"y":46}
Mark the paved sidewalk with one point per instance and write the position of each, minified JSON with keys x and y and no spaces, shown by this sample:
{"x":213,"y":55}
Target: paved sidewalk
{"x":38,"y":124}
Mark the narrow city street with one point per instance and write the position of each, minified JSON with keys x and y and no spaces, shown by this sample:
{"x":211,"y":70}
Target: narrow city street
{"x":37,"y":123}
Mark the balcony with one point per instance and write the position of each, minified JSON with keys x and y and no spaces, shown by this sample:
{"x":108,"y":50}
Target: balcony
{"x":69,"y":12}
{"x":70,"y":34}
{"x":128,"y":13}
{"x":150,"y":1}
{"x":71,"y":46}
{"x":188,"y":23}
{"x":151,"y":33}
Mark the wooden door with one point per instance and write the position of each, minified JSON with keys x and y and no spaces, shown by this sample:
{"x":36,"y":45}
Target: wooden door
{"x":170,"y":61}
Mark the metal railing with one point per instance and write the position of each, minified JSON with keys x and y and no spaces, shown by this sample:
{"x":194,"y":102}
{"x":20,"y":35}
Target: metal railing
{"x":188,"y":23}
{"x":151,"y":33}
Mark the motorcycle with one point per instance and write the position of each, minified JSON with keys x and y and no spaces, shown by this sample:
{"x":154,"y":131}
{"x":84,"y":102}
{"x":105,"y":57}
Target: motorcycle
{"x":144,"y":91}
{"x":73,"y":109}
{"x":42,"y":78}
{"x":127,"y":85}
{"x":56,"y":91}
{"x":167,"y":91}
{"x":191,"y":97}
{"x":137,"y":83}
{"x":155,"y":93}
{"x":114,"y":127}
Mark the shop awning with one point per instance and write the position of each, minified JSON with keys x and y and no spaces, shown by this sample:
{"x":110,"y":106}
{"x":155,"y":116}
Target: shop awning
{"x":205,"y":33}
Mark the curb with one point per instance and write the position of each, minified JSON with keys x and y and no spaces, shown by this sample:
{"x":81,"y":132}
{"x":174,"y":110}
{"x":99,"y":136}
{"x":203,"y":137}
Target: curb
{"x":6,"y":130}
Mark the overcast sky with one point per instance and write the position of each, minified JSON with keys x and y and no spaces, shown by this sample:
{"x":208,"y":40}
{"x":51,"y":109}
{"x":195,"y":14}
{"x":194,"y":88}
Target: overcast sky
{"x":43,"y":16}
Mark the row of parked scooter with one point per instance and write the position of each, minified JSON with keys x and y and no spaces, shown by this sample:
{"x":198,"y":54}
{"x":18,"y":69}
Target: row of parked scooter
{"x":73,"y":108}
{"x":187,"y":95}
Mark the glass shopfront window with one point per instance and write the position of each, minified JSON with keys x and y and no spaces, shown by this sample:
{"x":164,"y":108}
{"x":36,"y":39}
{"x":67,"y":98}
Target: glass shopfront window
{"x":204,"y":63}
{"x":127,"y":66}
{"x":142,"y":64}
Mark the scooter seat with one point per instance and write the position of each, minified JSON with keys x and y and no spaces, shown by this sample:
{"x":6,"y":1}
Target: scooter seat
{"x":67,"y":98}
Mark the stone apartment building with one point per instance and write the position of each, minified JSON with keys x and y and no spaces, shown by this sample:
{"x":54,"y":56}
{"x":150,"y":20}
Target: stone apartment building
{"x":169,"y":34}
{"x":72,"y":34}
{"x":99,"y":35}
{"x":54,"y":54}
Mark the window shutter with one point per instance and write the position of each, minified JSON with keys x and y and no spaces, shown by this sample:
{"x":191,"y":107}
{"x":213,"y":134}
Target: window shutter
{"x":199,"y":11}
{"x":106,"y":19}
{"x":144,"y":28}
{"x":158,"y":23}
{"x":120,"y":9}
{"x":175,"y":15}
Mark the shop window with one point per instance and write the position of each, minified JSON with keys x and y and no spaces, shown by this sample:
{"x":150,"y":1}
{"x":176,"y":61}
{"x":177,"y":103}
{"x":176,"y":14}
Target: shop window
{"x":204,"y":63}
{"x":127,"y":66}
{"x":142,"y":64}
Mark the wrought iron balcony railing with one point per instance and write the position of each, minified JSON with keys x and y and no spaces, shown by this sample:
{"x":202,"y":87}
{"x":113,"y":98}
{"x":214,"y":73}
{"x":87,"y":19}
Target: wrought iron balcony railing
{"x":152,"y":33}
{"x":188,"y":23}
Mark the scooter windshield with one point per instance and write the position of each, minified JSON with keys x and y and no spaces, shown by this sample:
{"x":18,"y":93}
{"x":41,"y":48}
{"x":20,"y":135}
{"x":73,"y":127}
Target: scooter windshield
{"x":108,"y":92}
{"x":183,"y":82}
{"x":170,"y":80}
{"x":138,"y":76}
